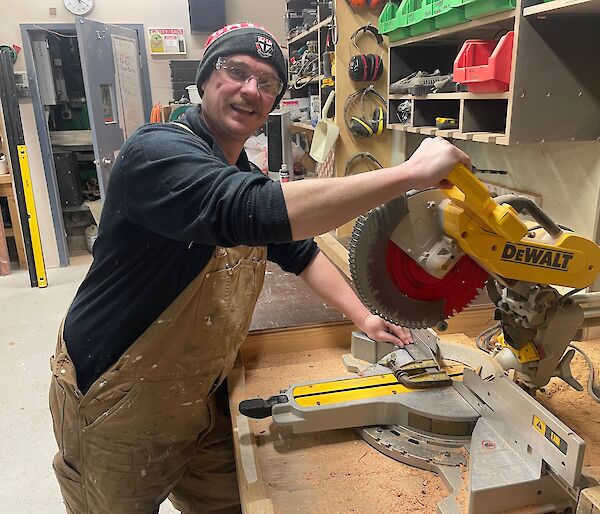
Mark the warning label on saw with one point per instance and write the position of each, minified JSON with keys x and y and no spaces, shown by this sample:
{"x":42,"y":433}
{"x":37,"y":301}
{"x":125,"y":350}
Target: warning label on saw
{"x":549,"y":434}
{"x":538,"y":257}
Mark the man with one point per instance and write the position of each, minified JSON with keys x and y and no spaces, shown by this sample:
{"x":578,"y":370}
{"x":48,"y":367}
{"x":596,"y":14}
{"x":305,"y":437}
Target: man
{"x":136,"y":397}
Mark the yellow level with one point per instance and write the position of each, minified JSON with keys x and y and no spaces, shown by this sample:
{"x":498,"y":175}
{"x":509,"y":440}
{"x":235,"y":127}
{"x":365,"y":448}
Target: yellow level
{"x":36,"y":242}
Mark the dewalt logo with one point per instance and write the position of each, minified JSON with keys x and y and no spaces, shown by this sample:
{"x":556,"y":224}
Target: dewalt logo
{"x":538,"y":257}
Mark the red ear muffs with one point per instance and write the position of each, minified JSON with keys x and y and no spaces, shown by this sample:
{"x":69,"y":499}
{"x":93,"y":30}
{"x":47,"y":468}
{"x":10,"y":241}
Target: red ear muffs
{"x":357,"y":4}
{"x":365,"y":68}
{"x":377,"y":68}
{"x":374,"y":4}
{"x":357,"y":67}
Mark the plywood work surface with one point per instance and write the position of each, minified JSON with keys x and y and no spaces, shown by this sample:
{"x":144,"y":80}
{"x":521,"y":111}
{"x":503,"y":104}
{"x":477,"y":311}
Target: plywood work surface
{"x":329,"y":472}
{"x":337,"y":472}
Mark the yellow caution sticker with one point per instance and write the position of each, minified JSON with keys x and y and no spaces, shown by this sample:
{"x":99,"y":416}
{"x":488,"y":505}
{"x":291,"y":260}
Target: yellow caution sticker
{"x":549,"y":434}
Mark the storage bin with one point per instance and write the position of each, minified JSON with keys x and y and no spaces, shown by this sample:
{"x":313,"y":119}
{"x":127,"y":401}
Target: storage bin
{"x":420,"y":18}
{"x":446,"y":15}
{"x":478,"y":8}
{"x":392,"y":20}
{"x":485,"y":65}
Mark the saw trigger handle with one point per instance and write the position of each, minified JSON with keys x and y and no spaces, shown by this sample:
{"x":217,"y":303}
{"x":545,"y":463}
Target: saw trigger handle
{"x":257,"y":408}
{"x":470,"y":194}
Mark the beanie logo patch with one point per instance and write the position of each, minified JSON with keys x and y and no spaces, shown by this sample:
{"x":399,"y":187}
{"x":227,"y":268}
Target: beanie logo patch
{"x":264,"y":47}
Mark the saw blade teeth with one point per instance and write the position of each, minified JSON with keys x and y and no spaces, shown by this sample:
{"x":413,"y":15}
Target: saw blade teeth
{"x":368,"y":268}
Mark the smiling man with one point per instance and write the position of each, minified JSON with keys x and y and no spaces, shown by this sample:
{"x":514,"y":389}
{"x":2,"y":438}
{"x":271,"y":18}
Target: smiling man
{"x":137,"y":396}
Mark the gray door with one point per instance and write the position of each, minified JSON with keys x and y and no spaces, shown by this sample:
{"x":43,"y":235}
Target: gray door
{"x":112,"y":76}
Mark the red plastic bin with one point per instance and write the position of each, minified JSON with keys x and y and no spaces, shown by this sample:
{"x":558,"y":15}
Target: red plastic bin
{"x":485,"y":65}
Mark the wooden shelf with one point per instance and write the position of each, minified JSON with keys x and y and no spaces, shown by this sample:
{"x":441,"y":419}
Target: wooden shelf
{"x":453,"y":96}
{"x":301,"y":125}
{"x":564,"y":7}
{"x":312,"y":30}
{"x":5,"y":179}
{"x":481,"y":137}
{"x":497,"y":21}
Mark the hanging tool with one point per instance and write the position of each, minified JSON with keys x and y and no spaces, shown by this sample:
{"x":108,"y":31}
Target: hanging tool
{"x":22,"y":179}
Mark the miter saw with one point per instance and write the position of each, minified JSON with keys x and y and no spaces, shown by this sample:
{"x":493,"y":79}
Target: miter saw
{"x":418,"y":260}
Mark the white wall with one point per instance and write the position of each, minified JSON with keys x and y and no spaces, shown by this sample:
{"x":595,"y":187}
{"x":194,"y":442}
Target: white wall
{"x":157,"y":13}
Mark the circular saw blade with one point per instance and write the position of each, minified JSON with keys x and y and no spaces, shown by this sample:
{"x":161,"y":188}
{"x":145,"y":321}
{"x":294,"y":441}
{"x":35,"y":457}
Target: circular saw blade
{"x":392,"y":285}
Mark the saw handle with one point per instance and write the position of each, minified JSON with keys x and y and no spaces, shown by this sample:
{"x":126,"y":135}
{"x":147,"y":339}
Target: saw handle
{"x":469,"y":193}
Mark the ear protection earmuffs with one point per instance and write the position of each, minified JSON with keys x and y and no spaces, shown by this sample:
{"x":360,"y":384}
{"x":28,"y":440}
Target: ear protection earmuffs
{"x":366,"y":67}
{"x":360,"y":157}
{"x":359,"y":5}
{"x":363,"y":126}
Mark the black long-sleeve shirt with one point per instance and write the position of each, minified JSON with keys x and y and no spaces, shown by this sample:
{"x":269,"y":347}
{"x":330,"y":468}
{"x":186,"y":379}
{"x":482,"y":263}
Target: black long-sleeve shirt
{"x":171,"y":198}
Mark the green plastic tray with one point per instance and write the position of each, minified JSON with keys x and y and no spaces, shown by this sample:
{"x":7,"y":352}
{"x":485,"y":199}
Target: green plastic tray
{"x":447,"y":15}
{"x":393,"y":21}
{"x":480,"y":8}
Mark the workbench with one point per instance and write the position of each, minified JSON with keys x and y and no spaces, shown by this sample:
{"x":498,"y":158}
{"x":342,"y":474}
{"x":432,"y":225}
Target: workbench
{"x":336,"y":471}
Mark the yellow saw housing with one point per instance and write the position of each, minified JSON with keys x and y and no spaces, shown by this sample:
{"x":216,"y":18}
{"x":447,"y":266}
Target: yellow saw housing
{"x":495,"y":237}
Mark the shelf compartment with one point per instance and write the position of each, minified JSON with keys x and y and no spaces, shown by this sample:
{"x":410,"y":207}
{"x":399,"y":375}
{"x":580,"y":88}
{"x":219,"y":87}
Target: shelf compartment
{"x":556,"y":95}
{"x":425,"y":112}
{"x":483,"y":116}
{"x":407,"y":60}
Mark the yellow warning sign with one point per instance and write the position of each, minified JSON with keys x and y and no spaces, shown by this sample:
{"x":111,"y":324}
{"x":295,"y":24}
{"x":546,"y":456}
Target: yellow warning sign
{"x":549,"y":434}
{"x":539,"y":425}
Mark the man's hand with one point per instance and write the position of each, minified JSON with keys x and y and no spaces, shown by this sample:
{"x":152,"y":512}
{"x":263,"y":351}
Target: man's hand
{"x":432,"y":161}
{"x":379,"y":329}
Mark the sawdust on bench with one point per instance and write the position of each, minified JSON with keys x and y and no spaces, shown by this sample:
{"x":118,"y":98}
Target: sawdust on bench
{"x":337,"y":472}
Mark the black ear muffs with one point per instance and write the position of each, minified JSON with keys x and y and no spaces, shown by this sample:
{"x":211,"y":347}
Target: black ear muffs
{"x":360,"y":128}
{"x":366,"y":67}
{"x":361,"y":125}
{"x":378,"y":121}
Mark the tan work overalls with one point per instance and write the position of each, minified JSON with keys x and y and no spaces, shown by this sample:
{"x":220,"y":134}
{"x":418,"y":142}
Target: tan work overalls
{"x":151,"y":426}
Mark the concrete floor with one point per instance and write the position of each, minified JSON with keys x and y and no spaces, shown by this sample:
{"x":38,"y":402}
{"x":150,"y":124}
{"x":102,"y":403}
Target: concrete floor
{"x":29,"y":319}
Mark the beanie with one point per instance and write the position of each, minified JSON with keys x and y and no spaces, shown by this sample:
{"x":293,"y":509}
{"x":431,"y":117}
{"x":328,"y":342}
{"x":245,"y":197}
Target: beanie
{"x":242,"y":38}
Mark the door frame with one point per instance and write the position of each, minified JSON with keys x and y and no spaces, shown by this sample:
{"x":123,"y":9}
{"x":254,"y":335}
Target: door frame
{"x":27,"y":30}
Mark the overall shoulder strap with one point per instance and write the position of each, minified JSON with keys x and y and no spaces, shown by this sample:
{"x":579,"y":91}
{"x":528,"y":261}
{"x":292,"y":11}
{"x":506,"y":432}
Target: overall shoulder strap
{"x":184,"y":126}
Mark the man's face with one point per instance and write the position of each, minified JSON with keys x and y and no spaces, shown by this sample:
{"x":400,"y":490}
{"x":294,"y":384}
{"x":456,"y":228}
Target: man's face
{"x":236,"y":110}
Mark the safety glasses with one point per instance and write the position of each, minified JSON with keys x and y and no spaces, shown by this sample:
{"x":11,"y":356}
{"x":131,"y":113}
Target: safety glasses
{"x":239,"y":73}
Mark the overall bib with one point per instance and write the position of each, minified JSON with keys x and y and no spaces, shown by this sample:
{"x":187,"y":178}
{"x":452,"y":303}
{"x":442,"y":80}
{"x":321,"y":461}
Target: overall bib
{"x":156,"y":423}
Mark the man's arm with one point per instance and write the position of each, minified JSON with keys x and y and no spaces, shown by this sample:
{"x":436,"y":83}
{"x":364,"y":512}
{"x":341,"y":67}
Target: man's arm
{"x":318,"y":206}
{"x":325,"y":279}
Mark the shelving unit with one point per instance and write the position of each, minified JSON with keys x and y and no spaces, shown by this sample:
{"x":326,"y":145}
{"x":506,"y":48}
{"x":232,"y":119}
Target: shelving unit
{"x":564,"y":7}
{"x":553,"y":92}
{"x":303,"y":35}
